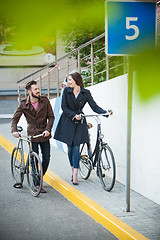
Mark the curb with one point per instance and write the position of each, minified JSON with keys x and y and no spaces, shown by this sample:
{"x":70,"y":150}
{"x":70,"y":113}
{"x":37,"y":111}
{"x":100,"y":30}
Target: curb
{"x":120,"y":229}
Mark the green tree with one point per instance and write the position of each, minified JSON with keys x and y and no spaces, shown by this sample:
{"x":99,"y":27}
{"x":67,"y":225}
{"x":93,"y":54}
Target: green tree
{"x":80,"y":35}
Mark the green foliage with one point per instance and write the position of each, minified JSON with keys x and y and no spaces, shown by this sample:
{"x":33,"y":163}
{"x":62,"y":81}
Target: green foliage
{"x":79,"y":36}
{"x":147,"y":74}
{"x":37,"y":20}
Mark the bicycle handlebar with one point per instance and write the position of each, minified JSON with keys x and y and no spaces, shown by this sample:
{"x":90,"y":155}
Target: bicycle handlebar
{"x":39,"y":135}
{"x":109,"y":112}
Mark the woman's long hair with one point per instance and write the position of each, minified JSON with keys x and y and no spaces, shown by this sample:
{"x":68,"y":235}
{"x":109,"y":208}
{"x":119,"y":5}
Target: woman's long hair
{"x":77,"y":78}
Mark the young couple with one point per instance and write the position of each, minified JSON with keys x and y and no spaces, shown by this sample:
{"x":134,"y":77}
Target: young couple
{"x":70,"y":130}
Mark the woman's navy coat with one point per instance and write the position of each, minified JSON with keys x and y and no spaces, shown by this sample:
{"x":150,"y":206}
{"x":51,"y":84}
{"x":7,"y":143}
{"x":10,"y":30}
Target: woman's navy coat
{"x":68,"y":130}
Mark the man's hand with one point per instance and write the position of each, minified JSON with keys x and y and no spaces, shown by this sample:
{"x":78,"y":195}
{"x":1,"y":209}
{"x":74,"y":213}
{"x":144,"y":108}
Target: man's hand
{"x":46,"y":133}
{"x":16,"y":134}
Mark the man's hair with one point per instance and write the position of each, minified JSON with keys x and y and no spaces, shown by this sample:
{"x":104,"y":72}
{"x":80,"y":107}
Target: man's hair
{"x":29,"y":84}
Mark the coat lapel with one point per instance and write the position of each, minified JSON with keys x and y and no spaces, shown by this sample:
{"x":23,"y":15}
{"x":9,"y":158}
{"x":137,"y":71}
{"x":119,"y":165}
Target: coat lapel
{"x":72,"y":97}
{"x":40,"y":106}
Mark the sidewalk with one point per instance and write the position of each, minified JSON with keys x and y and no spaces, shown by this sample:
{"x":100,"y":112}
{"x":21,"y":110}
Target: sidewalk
{"x":145,"y":214}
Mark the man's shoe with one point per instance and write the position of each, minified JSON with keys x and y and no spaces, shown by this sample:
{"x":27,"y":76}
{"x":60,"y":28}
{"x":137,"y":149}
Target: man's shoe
{"x":43,"y":191}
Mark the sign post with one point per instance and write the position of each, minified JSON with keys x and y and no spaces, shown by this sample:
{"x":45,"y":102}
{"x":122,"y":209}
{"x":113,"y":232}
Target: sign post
{"x":130,"y":28}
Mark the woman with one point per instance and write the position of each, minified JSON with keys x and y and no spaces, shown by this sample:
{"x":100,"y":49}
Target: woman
{"x":70,"y":129}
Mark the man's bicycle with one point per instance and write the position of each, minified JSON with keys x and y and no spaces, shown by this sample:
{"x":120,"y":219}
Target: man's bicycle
{"x":101,"y":158}
{"x":32,"y":167}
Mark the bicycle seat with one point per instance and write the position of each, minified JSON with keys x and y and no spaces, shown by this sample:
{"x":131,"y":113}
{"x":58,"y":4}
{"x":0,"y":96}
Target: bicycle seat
{"x":20,"y":129}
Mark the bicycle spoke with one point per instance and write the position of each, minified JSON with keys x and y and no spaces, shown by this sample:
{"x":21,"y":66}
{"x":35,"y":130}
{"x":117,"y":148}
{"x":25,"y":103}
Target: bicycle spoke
{"x":107,"y":171}
{"x":85,"y":166}
{"x":34,"y":174}
{"x":16,"y":166}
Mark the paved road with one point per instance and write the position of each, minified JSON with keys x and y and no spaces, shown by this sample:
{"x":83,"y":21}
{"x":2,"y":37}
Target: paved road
{"x":49,"y":216}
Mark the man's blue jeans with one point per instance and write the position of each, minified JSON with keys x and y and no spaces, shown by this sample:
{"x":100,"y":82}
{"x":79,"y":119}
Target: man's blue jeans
{"x":45,"y":150}
{"x":73,"y":155}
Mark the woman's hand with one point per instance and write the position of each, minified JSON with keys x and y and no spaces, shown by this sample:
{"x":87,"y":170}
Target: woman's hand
{"x":77,"y":117}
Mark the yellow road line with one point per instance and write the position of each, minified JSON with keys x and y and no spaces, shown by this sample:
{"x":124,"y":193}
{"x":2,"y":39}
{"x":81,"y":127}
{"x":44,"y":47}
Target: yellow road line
{"x":120,"y":229}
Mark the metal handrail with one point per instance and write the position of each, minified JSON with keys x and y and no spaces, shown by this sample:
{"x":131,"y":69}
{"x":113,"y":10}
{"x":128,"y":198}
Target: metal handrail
{"x":65,"y":56}
{"x":67,"y":63}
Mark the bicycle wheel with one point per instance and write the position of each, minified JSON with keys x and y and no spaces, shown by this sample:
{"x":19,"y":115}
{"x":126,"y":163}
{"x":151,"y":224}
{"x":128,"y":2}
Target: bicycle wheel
{"x":107,"y":168}
{"x":16,"y":166}
{"x":34,"y":173}
{"x":85,"y":166}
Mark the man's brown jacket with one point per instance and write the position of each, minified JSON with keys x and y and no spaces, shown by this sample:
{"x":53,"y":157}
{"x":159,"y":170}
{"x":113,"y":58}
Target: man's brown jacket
{"x":37,"y":121}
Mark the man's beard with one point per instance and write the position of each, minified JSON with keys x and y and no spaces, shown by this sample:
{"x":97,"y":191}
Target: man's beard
{"x":35,"y":96}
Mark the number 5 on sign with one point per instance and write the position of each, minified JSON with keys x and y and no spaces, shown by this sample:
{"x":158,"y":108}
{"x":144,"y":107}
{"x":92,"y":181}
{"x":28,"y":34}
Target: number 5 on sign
{"x":130,"y":26}
{"x":134,"y":27}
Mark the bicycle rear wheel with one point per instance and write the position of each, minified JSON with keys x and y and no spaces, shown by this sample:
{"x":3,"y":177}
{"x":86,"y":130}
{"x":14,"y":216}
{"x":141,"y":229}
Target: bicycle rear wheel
{"x":85,"y":166}
{"x":107,"y":168}
{"x":16,"y":166}
{"x":34,"y":174}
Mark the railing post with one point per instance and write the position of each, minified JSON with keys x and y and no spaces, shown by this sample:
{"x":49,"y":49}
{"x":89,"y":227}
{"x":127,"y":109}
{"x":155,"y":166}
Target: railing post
{"x":57,"y":81}
{"x":25,"y":93}
{"x":67,"y":68}
{"x":92,"y":65}
{"x":48,"y":84}
{"x":19,"y":94}
{"x":107,"y":67}
{"x":79,"y":62}
{"x":40,"y":84}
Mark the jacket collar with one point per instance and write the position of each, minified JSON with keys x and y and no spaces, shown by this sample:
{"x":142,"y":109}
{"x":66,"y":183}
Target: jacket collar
{"x":70,"y":90}
{"x":28,"y":100}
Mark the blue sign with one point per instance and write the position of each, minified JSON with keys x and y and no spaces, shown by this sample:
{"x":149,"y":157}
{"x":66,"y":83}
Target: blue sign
{"x":130,"y":26}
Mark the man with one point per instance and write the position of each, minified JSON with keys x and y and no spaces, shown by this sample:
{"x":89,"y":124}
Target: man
{"x":40,"y":117}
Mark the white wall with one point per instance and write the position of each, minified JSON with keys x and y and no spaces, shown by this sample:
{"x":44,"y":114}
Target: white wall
{"x":145,"y":150}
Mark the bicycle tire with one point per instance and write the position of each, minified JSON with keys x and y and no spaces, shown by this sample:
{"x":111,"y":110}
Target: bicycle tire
{"x":16,"y":166}
{"x":34,"y":173}
{"x":107,"y":168}
{"x":85,"y":166}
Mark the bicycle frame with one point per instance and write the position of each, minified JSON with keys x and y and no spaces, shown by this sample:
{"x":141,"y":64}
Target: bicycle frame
{"x":102,"y":158}
{"x":20,"y":147}
{"x":98,"y":140}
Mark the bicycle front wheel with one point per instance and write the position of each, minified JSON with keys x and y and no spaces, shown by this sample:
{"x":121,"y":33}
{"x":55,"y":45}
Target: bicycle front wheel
{"x":85,"y":166}
{"x":107,"y":168}
{"x":34,"y":174}
{"x":16,"y":166}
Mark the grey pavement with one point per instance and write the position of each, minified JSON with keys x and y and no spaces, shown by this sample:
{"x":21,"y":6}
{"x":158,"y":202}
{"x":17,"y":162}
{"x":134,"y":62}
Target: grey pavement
{"x":144,"y":215}
{"x":49,"y":216}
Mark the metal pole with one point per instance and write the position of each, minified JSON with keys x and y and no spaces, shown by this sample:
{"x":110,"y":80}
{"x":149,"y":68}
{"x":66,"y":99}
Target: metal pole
{"x":19,"y":94}
{"x":40,"y":84}
{"x":67,"y":68}
{"x":48,"y":84}
{"x":129,"y":126}
{"x":92,"y":65}
{"x":57,"y":82}
{"x":79,"y":64}
{"x":25,"y":93}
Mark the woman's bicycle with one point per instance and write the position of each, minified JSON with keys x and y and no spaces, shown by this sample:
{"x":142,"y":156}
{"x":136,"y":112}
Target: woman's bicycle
{"x":32,"y":167}
{"x":102,"y":157}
